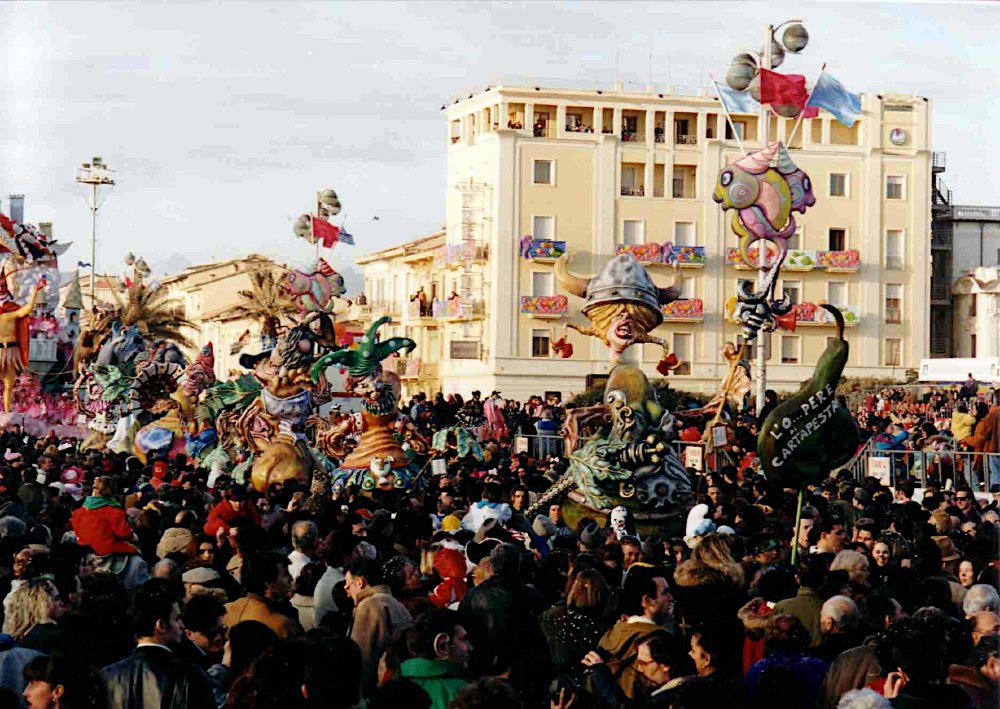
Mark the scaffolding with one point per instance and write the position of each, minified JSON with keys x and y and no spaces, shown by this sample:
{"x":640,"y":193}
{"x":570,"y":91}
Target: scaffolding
{"x":472,"y":248}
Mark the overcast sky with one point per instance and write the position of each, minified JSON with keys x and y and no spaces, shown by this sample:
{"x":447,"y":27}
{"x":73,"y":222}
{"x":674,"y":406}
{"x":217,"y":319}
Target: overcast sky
{"x":222,"y":119}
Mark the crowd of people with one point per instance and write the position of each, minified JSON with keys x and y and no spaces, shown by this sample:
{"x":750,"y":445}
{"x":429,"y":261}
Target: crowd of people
{"x":137,"y":584}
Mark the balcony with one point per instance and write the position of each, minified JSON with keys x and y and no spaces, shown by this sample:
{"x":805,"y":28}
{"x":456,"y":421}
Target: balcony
{"x":665,"y":254}
{"x":42,"y":349}
{"x":687,"y":310}
{"x":813,"y":315}
{"x":421,"y":313}
{"x":386,"y":308}
{"x":939,"y":162}
{"x":639,"y":191}
{"x":542,"y":250}
{"x":686,"y":140}
{"x":457,"y":309}
{"x":544,"y":307}
{"x":410,"y":367}
{"x":458,"y":255}
{"x":893,"y":316}
{"x":633,"y":137}
{"x":543,"y":130}
{"x":799,"y":260}
{"x":839,"y":261}
{"x":360,"y":312}
{"x":734,"y":259}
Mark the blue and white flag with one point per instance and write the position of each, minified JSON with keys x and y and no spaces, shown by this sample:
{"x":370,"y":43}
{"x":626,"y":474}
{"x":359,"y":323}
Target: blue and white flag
{"x":346,"y":238}
{"x":81,"y":264}
{"x":737,"y":101}
{"x":830,"y":94}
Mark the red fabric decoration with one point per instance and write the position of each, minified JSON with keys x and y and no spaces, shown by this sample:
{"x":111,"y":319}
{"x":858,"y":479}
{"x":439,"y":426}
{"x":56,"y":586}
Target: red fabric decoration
{"x":667,"y":363}
{"x":786,"y":321}
{"x":326,"y":232}
{"x":786,"y":89}
{"x":563,"y":348}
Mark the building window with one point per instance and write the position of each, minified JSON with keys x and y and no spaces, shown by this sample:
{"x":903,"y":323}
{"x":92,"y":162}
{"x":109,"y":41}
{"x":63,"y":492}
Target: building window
{"x":539,"y":343}
{"x":795,"y":240}
{"x":544,"y":172}
{"x":633,"y":232}
{"x":836,"y":293}
{"x":739,"y":127}
{"x":894,"y":186}
{"x":684,"y":234}
{"x":687,"y":287}
{"x":542,"y":283}
{"x":893,"y":352}
{"x":894,"y":246}
{"x":789,"y":349}
{"x":838,"y":239}
{"x":543,"y":227}
{"x":838,"y":184}
{"x":684,"y":181}
{"x":972,"y":345}
{"x":751,"y":353}
{"x":683,"y":348}
{"x":793,"y":291}
{"x":893,"y":303}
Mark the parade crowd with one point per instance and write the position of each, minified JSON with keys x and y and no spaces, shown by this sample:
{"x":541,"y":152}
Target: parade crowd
{"x":133,"y":584}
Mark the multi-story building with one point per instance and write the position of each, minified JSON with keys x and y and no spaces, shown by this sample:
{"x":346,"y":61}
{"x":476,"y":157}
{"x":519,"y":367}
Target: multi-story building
{"x":532,"y":173}
{"x":976,"y":306}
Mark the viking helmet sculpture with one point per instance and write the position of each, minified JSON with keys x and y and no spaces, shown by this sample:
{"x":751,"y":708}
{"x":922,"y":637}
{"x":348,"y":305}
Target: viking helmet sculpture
{"x":622,"y":279}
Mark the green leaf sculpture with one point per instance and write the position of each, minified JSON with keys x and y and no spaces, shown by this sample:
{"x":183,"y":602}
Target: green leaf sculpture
{"x":805,"y":438}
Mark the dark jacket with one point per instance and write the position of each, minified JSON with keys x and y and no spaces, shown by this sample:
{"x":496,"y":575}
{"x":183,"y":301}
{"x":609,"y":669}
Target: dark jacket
{"x":704,"y":592}
{"x":154,"y":677}
{"x":570,"y":635}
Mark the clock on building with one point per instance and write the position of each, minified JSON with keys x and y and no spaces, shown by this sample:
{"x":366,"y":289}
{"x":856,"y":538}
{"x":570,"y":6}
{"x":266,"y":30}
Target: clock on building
{"x":897,"y":136}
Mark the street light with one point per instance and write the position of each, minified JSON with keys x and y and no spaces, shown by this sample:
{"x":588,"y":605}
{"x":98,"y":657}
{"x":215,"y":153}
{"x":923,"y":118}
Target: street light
{"x":96,"y":174}
{"x":744,"y":74}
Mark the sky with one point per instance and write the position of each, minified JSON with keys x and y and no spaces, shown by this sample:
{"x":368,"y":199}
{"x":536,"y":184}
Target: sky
{"x":223,"y":119}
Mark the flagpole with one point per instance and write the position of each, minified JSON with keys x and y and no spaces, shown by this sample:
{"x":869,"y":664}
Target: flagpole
{"x":729,"y":118}
{"x":802,"y":113}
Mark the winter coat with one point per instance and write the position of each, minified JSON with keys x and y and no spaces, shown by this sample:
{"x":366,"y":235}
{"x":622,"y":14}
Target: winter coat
{"x":982,"y":693}
{"x":622,"y":642}
{"x":570,"y":635}
{"x":851,"y":669}
{"x":223,"y":516}
{"x":100,"y":524}
{"x":985,"y":438}
{"x":377,"y":618}
{"x":153,"y":676}
{"x":441,"y":680}
{"x":961,"y":425}
{"x":805,"y":606}
{"x":254,"y":607}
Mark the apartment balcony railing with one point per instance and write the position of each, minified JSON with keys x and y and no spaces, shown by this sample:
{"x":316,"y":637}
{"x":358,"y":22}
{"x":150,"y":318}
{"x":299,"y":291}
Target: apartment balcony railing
{"x":939,"y":161}
{"x":386,"y":308}
{"x":659,"y":136}
{"x":416,"y":310}
{"x":686,"y":140}
{"x":42,"y":349}
{"x":893,"y":316}
{"x":545,"y":307}
{"x":360,"y":312}
{"x":633,"y":137}
{"x":457,"y":255}
{"x":667,"y":254}
{"x":940,"y":291}
{"x":409,"y":367}
{"x":686,"y":310}
{"x":813,"y":314}
{"x":839,"y":261}
{"x":639,"y":191}
{"x":459,"y":309}
{"x":544,"y":131}
{"x":542,"y":250}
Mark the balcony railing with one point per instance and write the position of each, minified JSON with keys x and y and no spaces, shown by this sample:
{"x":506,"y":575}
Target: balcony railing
{"x":455,"y":255}
{"x":668,"y":254}
{"x":416,"y":309}
{"x":975,"y":214}
{"x":542,"y":250}
{"x":813,"y":314}
{"x":639,"y":191}
{"x":940,"y":346}
{"x":544,"y":306}
{"x":459,"y":309}
{"x":686,"y":140}
{"x":633,"y":137}
{"x":543,"y":131}
{"x":659,"y":136}
{"x":940,"y":291}
{"x":360,"y":312}
{"x":939,"y":161}
{"x":893,"y":316}
{"x":386,"y":307}
{"x":686,"y":310}
{"x":839,"y":261}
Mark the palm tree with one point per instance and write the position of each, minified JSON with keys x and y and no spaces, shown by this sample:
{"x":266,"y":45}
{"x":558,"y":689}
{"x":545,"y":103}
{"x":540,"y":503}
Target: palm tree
{"x":267,"y":301}
{"x":157,"y":315}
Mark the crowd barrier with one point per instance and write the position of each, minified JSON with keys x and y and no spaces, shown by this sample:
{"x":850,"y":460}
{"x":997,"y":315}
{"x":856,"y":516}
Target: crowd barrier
{"x":938,"y":466}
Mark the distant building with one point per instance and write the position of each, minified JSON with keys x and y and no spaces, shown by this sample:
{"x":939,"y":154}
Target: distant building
{"x":976,"y":314}
{"x":533,"y":172}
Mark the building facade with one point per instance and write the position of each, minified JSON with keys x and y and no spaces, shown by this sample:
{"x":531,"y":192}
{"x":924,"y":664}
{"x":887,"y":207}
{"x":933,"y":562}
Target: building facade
{"x":976,"y":308}
{"x":533,"y":173}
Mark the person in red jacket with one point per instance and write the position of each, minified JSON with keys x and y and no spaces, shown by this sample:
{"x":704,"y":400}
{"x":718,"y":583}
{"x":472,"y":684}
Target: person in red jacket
{"x":233,"y":508}
{"x":100,"y":523}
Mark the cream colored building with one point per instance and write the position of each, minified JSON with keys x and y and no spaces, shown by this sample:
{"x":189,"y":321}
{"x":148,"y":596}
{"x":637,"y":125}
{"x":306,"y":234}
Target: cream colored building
{"x":533,"y":171}
{"x":976,"y":320}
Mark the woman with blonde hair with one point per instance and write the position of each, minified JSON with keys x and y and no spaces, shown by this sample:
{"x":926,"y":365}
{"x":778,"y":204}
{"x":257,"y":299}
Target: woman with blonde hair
{"x":710,"y":583}
{"x":573,"y":629}
{"x":35,"y":602}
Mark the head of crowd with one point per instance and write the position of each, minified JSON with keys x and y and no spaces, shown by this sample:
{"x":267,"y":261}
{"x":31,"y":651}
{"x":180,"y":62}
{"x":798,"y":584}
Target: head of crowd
{"x":132,"y":584}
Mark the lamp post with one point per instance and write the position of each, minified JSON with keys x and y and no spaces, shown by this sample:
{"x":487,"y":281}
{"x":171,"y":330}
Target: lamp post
{"x":96,"y":174}
{"x":744,"y":74}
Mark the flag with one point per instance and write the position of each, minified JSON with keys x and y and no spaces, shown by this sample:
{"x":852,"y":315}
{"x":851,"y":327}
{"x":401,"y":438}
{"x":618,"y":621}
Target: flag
{"x":831,"y":95}
{"x":786,"y":89}
{"x":326,"y":232}
{"x":737,"y":101}
{"x":82,"y":264}
{"x":346,"y":238}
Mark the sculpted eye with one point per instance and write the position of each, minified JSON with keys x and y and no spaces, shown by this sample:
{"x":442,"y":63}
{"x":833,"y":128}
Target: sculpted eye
{"x":726,"y":178}
{"x":807,"y":183}
{"x":739,"y":193}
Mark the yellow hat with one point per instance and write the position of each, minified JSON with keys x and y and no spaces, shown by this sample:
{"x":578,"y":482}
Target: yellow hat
{"x":450,"y":523}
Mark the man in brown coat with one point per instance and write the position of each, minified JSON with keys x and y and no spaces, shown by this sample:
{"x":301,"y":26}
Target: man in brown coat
{"x":266,"y":579}
{"x":378,"y":616}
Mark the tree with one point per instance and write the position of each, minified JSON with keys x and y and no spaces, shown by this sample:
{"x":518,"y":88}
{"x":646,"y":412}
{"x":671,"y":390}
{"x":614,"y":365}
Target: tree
{"x":267,"y":301}
{"x":157,"y":315}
